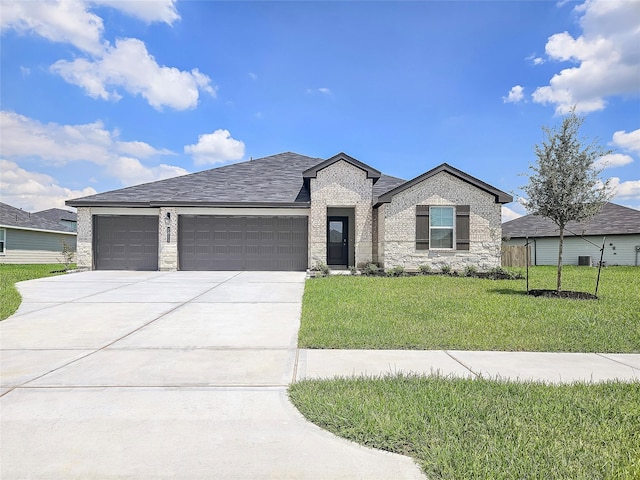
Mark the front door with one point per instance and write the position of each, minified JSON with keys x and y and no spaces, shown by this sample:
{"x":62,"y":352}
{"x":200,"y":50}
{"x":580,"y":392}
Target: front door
{"x":337,"y":240}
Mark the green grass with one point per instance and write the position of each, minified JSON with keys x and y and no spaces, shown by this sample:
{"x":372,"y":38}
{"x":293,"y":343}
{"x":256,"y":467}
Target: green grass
{"x":11,"y":274}
{"x":437,"y":312}
{"x":461,"y":428}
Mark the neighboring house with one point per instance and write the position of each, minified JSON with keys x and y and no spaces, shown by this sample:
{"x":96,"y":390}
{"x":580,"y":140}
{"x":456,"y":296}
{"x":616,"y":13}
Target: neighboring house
{"x":64,"y":217}
{"x":30,"y":238}
{"x":292,"y":212}
{"x":618,"y":226}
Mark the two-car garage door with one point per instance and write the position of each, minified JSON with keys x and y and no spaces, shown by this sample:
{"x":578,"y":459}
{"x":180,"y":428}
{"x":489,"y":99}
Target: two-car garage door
{"x":217,"y":242}
{"x":205,"y":242}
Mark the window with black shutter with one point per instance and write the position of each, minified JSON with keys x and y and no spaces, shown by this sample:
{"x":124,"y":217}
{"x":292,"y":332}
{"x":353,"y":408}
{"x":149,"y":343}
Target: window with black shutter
{"x":422,"y":227}
{"x":442,"y":227}
{"x":462,"y":227}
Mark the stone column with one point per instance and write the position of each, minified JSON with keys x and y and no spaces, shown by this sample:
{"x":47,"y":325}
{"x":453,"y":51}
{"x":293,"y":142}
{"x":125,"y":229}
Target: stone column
{"x":168,"y":239}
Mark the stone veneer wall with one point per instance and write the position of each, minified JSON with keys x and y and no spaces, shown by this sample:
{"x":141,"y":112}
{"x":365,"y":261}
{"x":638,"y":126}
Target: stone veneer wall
{"x":397,"y":236}
{"x":168,"y":251}
{"x":84,"y":245}
{"x":340,"y":185}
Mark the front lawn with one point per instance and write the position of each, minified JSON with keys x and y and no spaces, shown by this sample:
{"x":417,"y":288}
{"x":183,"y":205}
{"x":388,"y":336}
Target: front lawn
{"x":437,"y":312}
{"x":11,"y":274}
{"x":461,"y":428}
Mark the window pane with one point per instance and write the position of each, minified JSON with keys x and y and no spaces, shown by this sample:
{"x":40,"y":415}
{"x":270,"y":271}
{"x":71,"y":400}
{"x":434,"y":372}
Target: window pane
{"x":441,"y":238}
{"x":441,"y":216}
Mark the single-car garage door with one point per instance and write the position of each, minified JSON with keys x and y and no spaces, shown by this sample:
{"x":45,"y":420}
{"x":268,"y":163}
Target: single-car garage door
{"x":125,"y":242}
{"x":215,"y":242}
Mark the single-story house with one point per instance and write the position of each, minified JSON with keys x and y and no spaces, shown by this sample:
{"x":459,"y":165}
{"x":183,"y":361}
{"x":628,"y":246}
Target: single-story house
{"x":293,"y":212}
{"x":618,"y":226}
{"x":31,"y":238}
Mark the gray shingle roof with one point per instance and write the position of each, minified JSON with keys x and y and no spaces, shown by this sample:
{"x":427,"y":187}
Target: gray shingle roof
{"x":14,"y":217}
{"x":277,"y":180}
{"x":613,"y":219}
{"x":270,"y":180}
{"x":57,"y":214}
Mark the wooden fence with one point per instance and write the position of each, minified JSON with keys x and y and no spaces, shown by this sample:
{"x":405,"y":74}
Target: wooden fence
{"x":515,"y":256}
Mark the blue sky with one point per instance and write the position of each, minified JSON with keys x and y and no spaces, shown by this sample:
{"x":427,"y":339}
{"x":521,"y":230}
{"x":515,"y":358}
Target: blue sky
{"x":98,"y":95}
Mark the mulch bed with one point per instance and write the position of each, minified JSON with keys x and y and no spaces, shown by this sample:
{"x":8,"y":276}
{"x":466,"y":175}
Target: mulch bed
{"x":562,"y":294}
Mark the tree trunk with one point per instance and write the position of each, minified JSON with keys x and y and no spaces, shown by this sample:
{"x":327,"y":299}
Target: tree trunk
{"x":561,"y":240}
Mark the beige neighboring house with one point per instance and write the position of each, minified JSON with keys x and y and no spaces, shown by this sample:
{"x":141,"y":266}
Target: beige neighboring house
{"x":618,"y":226}
{"x":292,"y":212}
{"x":34,"y":238}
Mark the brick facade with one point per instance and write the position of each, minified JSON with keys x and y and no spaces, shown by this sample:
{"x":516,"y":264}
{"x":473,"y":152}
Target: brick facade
{"x":385,"y":234}
{"x":84,"y":245}
{"x":396,"y":243}
{"x":341,"y":185}
{"x":168,"y":244}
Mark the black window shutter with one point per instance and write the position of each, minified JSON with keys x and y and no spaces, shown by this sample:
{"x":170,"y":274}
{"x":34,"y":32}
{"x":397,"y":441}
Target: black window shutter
{"x":422,"y":227}
{"x":462,"y":227}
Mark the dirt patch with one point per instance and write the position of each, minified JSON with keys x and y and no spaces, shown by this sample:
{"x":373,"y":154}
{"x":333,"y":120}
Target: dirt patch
{"x":562,"y":294}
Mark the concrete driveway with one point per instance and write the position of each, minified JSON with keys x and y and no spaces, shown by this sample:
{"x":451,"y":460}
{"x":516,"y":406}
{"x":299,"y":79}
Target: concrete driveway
{"x":164,"y":375}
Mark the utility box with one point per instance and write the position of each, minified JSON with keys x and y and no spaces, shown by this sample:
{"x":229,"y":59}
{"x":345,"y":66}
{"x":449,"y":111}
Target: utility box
{"x":584,"y":260}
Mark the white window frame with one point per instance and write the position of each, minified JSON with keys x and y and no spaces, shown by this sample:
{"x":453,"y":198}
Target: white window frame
{"x":452,"y":228}
{"x":3,"y":240}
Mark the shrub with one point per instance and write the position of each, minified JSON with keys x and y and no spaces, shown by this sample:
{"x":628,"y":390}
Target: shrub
{"x":353,"y":270}
{"x":397,"y":271}
{"x":445,"y":269}
{"x":370,"y":269}
{"x":424,"y":269}
{"x":470,"y":270}
{"x":322,"y":268}
{"x":499,"y":272}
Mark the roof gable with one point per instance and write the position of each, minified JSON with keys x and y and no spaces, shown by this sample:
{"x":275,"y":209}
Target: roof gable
{"x":313,"y":171}
{"x":613,"y":219}
{"x":500,"y":196}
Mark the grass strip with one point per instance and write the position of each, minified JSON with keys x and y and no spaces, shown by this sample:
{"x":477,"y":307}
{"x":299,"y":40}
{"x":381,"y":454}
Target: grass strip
{"x":462,"y":428}
{"x":10,"y":298}
{"x":438,"y":312}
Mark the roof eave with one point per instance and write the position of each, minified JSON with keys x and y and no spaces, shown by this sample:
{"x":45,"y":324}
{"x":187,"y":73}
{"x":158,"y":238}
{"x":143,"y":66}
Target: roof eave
{"x":158,"y":204}
{"x":370,"y":171}
{"x":33,"y":229}
{"x":500,"y":196}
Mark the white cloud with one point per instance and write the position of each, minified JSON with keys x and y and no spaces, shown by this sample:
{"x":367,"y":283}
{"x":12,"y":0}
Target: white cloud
{"x":141,"y":149}
{"x":516,"y":94}
{"x":629,"y":189}
{"x":322,"y":90}
{"x":216,"y":147}
{"x":509,"y":214}
{"x":628,"y":141}
{"x":66,"y":22}
{"x":131,"y":172}
{"x":129,"y":65}
{"x":59,"y":145}
{"x":147,"y":11}
{"x":606,"y":55}
{"x":253,"y":76}
{"x":56,"y":144}
{"x":34,"y":191}
{"x":613,"y":160}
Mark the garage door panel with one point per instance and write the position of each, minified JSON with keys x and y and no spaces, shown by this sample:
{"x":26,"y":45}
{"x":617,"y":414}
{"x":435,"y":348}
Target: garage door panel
{"x":126,"y":242}
{"x":243,"y":243}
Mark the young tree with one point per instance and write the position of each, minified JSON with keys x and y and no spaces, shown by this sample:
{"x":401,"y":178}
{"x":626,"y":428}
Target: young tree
{"x":564,"y":183}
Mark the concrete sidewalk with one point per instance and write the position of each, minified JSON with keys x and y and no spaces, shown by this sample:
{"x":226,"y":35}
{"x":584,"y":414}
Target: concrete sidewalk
{"x":518,"y":366}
